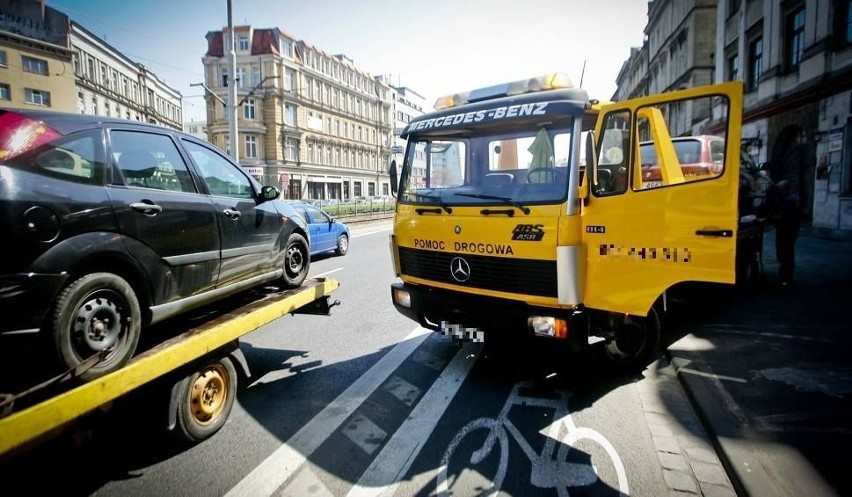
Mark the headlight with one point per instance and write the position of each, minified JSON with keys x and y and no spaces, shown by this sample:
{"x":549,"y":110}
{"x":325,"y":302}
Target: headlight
{"x":401,"y":297}
{"x":548,"y":326}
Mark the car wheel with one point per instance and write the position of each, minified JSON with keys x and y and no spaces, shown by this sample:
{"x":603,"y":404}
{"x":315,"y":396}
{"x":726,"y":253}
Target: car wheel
{"x":635,"y":341}
{"x":297,"y":261}
{"x":342,"y":245}
{"x":96,"y":313}
{"x":205,"y":400}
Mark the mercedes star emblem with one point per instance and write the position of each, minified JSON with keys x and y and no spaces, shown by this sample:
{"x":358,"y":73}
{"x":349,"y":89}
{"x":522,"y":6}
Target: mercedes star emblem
{"x":460,"y":269}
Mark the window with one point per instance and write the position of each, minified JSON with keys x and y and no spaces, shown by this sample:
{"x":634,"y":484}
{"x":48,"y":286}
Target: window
{"x":249,"y":109}
{"x":289,"y":78}
{"x":251,"y":146}
{"x":733,"y":6}
{"x":241,"y":77}
{"x":286,"y":48}
{"x":242,"y":43}
{"x":222,"y":177}
{"x":848,"y":38}
{"x":224,"y":76}
{"x":33,"y":65}
{"x":291,"y":146}
{"x":150,"y":160}
{"x":5,"y":92}
{"x":3,"y":62}
{"x":310,"y":151}
{"x":795,"y":38}
{"x":77,"y":157}
{"x":37,"y":97}
{"x":733,"y":67}
{"x":289,"y":115}
{"x":755,"y":55}
{"x":255,"y":76}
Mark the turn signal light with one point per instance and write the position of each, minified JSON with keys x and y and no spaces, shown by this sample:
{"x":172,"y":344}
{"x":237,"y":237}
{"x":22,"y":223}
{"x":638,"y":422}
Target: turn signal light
{"x":548,"y":326}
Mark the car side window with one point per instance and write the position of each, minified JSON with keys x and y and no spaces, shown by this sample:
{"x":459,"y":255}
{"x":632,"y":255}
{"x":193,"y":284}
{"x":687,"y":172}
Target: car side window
{"x":77,"y":158}
{"x":318,"y":216}
{"x":150,"y":160}
{"x":221,"y":176}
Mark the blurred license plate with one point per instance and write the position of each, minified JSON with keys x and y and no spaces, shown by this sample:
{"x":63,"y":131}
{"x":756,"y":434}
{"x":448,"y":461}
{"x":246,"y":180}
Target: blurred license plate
{"x":462,"y":332}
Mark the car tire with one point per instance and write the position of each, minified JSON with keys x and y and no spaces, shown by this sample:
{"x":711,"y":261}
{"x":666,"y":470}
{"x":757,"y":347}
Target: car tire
{"x":205,"y":399}
{"x":96,"y":312}
{"x":297,"y":261}
{"x":342,"y":245}
{"x":635,"y":343}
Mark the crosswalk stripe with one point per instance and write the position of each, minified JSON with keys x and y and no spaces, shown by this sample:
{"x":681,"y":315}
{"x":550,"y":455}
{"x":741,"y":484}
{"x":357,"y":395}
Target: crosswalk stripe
{"x":282,"y":464}
{"x":390,"y":466}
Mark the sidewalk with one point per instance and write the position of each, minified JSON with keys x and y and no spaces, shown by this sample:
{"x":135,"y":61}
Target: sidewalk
{"x":768,"y":370}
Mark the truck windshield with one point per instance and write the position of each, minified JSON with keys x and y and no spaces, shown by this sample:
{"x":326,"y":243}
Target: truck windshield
{"x":506,"y":168}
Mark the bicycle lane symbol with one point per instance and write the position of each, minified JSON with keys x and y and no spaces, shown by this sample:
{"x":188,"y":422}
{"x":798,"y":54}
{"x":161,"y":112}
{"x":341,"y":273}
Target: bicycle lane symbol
{"x":562,"y":435}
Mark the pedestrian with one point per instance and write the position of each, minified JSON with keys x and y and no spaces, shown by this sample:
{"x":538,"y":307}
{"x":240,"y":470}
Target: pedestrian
{"x":785,"y":217}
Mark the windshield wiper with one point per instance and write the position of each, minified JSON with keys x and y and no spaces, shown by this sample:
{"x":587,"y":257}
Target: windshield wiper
{"x":436,"y":198}
{"x":505,"y":200}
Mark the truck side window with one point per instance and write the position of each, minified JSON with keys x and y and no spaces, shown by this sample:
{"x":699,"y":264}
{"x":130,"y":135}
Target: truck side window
{"x":611,"y":172}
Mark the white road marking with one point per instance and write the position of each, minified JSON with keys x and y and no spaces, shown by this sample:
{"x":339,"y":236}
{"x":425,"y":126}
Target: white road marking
{"x":364,"y":433}
{"x":713,"y":375}
{"x":373,"y":232}
{"x":327,"y":273}
{"x":395,"y":459}
{"x":404,"y":391}
{"x":283,"y":463}
{"x":306,"y":482}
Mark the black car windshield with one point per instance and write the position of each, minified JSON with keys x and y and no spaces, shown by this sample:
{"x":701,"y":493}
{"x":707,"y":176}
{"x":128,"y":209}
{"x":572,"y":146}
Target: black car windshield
{"x":519,"y":167}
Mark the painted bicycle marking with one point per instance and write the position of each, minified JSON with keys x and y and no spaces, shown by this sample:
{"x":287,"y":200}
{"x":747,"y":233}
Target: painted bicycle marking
{"x":547,"y":471}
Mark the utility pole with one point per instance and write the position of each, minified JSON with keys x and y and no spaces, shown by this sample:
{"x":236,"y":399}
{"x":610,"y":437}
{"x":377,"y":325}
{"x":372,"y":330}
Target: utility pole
{"x":232,"y":87}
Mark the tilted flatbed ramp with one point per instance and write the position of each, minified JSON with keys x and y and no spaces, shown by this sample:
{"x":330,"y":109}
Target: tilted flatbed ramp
{"x":33,"y":422}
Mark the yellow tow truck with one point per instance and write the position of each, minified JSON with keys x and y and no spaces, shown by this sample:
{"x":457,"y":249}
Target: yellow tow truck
{"x":523,"y":209}
{"x":199,"y":366}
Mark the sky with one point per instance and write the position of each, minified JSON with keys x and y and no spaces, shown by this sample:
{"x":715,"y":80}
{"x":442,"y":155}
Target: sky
{"x":433,"y":47}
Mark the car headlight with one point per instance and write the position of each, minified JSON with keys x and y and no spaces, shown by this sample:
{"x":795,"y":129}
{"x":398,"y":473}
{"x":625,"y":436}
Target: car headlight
{"x":548,"y":326}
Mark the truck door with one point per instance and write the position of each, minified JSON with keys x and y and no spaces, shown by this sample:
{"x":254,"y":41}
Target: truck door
{"x":642,"y":237}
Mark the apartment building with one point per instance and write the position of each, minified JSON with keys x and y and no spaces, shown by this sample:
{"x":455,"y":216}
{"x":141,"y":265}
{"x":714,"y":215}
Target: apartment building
{"x":308,"y":121}
{"x":795,"y":59}
{"x":35,"y":60}
{"x":409,"y":104}
{"x":49,"y":61}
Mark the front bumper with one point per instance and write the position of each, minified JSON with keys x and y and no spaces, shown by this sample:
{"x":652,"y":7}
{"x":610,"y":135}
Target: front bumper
{"x":498,"y":319}
{"x":25,"y":300}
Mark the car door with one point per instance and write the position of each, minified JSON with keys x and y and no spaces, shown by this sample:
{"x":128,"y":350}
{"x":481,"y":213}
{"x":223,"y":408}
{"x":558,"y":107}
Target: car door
{"x":169,"y":227}
{"x":642,"y":238}
{"x":323,"y":236}
{"x":249,"y":228}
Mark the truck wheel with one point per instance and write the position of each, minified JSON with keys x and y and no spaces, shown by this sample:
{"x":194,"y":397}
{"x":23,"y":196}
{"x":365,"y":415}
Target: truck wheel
{"x":96,"y":312}
{"x":342,"y":245}
{"x":297,"y":261}
{"x":205,"y":400}
{"x":634,"y":342}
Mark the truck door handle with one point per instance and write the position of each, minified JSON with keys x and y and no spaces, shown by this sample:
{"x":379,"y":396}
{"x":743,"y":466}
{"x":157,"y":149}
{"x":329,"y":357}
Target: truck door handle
{"x":722,"y":233}
{"x":231,"y":213}
{"x":149,"y":209}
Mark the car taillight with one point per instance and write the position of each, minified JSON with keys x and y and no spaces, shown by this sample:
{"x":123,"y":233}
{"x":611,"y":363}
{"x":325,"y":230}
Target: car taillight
{"x":19,"y":134}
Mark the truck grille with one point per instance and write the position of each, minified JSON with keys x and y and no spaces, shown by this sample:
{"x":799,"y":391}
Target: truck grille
{"x":524,"y":276}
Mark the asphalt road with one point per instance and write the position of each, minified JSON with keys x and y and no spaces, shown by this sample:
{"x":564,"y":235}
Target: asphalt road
{"x":364,"y":402}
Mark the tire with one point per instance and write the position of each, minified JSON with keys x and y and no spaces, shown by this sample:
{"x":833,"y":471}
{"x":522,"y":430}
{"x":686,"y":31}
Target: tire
{"x":205,"y":400}
{"x":342,"y":245}
{"x":494,"y":432}
{"x":635,"y":342}
{"x":99,"y":311}
{"x":297,"y":261}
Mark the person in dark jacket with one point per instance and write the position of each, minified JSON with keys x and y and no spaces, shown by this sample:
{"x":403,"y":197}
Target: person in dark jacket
{"x":785,"y":217}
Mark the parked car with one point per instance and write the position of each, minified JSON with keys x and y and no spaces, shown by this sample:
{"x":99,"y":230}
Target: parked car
{"x":326,"y":233}
{"x":699,"y":156}
{"x":112,"y":225}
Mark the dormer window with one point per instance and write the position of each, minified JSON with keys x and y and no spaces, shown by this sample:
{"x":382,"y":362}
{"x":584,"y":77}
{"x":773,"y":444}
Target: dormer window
{"x":243,"y":43}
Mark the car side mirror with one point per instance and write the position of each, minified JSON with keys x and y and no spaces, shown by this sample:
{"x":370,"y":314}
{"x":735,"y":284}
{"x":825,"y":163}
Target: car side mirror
{"x":269,"y":193}
{"x":394,"y":177}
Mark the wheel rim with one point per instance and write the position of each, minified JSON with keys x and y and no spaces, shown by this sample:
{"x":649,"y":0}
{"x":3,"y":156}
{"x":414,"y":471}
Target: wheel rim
{"x":296,"y":257}
{"x":343,"y":244}
{"x":208,"y":394}
{"x":99,"y":321}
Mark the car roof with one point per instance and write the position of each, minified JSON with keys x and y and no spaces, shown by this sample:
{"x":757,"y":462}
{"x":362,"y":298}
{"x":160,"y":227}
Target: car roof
{"x":67,"y":122}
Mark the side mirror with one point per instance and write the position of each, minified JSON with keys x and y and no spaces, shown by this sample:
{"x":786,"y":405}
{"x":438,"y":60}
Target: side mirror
{"x":269,"y":193}
{"x":394,"y":177}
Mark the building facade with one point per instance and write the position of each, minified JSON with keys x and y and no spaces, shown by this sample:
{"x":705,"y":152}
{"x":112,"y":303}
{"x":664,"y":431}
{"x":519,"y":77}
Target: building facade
{"x":795,"y":59}
{"x":409,"y":105}
{"x":310,"y":122}
{"x":50,"y":61}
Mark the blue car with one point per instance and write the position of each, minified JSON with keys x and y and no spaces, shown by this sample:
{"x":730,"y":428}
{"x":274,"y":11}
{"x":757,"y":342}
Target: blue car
{"x":326,"y":234}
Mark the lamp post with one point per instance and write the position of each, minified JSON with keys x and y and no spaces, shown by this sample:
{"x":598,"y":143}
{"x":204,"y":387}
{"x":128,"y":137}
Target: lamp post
{"x":232,"y":88}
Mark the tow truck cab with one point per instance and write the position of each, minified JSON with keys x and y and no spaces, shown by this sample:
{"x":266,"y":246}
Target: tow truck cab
{"x":522,"y":210}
